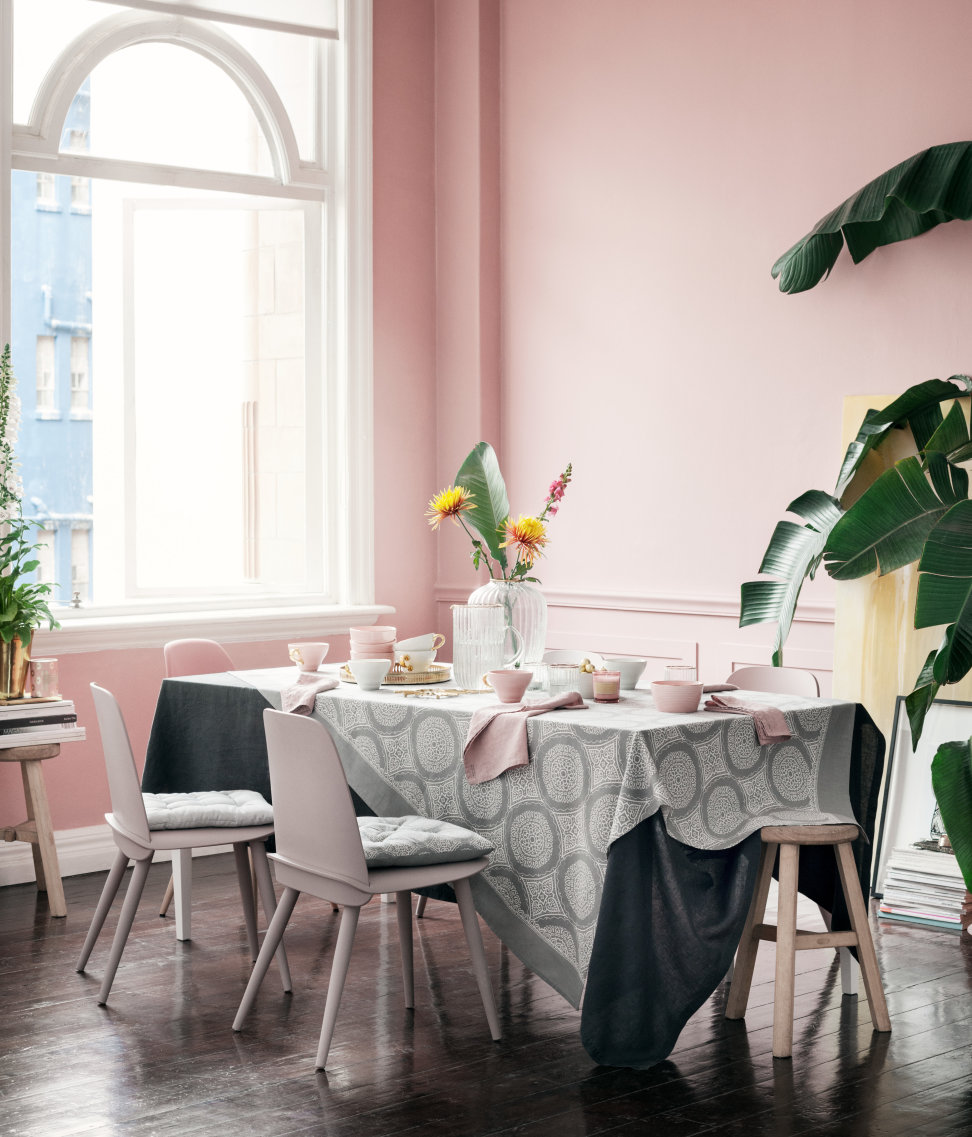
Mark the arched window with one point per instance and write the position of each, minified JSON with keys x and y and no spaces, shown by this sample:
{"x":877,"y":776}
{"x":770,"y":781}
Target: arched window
{"x":198,"y":270}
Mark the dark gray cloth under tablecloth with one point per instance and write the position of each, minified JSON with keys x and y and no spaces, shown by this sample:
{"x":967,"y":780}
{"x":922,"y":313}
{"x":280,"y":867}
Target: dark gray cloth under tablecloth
{"x":671,"y":917}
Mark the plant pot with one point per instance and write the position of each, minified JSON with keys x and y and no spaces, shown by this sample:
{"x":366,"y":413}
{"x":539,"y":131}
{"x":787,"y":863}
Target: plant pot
{"x":14,"y":661}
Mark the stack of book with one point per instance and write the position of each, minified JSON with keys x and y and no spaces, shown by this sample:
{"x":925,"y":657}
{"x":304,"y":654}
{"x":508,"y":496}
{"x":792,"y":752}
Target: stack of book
{"x":33,"y":722}
{"x":924,"y":886}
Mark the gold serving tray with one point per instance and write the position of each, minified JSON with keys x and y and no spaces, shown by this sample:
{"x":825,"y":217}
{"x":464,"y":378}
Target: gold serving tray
{"x":437,"y":673}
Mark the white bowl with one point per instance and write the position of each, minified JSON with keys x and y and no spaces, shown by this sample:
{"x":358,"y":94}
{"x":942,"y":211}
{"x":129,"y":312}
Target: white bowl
{"x":368,"y":673}
{"x":631,"y":669}
{"x":676,"y":696}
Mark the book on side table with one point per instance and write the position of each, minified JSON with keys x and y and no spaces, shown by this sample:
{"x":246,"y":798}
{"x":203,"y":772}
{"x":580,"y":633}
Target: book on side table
{"x":29,"y":723}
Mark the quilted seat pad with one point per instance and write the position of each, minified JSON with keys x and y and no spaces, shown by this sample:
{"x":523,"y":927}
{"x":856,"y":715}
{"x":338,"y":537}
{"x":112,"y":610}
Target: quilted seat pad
{"x":412,"y":840}
{"x":207,"y":809}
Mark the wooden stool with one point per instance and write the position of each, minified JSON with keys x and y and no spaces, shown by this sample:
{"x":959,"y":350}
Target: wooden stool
{"x":37,"y":829}
{"x":789,"y":939}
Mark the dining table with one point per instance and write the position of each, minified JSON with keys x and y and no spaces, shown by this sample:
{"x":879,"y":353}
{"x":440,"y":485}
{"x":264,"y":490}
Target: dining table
{"x":625,"y":850}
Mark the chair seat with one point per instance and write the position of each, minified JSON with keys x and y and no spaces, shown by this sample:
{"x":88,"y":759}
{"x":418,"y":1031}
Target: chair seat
{"x":167,"y":839}
{"x":404,"y":842}
{"x":206,"y":809}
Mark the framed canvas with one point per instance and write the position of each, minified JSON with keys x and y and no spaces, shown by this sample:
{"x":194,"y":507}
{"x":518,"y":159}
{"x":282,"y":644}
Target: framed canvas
{"x":908,"y":801}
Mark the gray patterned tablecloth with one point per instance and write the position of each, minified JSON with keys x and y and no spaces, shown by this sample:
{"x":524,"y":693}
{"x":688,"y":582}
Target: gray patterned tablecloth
{"x":594,"y":775}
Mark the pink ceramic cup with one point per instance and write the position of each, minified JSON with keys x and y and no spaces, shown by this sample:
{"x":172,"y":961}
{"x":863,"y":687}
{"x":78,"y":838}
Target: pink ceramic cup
{"x":509,"y":683}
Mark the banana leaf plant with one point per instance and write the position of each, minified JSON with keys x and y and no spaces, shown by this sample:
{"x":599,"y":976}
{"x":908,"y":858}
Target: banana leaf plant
{"x":918,"y":510}
{"x":916,"y":195}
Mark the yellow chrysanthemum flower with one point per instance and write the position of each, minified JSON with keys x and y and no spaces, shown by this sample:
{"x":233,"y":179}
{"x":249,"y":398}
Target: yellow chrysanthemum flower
{"x":529,"y":536}
{"x":452,"y":501}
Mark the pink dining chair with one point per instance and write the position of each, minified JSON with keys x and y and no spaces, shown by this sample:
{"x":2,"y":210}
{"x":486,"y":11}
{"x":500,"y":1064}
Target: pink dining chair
{"x":323,"y":849}
{"x":190,"y":657}
{"x":237,"y":818}
{"x":194,"y":657}
{"x":778,"y":680}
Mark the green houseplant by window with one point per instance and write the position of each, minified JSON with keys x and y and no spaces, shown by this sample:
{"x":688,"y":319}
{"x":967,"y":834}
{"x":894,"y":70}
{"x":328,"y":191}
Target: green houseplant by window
{"x":23,"y":602}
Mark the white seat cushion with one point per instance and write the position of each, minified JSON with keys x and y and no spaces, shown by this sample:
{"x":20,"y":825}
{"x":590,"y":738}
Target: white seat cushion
{"x":205,"y":809}
{"x":412,"y":840}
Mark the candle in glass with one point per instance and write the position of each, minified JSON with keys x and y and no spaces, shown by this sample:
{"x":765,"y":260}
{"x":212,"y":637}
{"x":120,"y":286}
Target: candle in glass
{"x":607,"y":686}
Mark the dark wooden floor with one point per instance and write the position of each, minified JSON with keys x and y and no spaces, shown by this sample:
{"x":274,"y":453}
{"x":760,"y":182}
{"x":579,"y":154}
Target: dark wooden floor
{"x":161,"y":1059}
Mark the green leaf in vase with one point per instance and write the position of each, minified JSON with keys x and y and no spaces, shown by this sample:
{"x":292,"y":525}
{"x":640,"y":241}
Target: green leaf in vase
{"x":480,"y":474}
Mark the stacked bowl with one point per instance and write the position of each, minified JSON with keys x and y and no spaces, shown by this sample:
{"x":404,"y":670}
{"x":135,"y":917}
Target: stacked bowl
{"x":376,"y":642}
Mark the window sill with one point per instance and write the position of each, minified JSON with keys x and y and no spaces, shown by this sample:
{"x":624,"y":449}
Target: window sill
{"x":47,"y":415}
{"x":81,"y":633}
{"x":80,"y":414}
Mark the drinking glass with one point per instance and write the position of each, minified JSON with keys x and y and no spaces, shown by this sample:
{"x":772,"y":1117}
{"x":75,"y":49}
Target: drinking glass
{"x":562,"y":677}
{"x":683,"y":672}
{"x":481,"y":641}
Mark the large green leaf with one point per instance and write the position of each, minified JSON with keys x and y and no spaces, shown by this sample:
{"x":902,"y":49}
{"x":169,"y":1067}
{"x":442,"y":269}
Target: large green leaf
{"x":921,"y":698}
{"x":952,"y":437}
{"x":792,"y":554}
{"x":919,"y":407}
{"x":945,"y":591}
{"x":906,"y":201}
{"x":480,"y":474}
{"x":887,"y":526}
{"x":952,"y":781}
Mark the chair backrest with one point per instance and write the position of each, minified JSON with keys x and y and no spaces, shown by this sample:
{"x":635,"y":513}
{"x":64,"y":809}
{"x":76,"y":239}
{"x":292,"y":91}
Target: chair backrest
{"x":123,"y":784}
{"x":194,"y":657}
{"x":780,"y":680}
{"x":313,"y":816}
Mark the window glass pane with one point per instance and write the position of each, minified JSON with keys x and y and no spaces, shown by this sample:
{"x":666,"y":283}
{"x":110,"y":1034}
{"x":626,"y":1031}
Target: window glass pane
{"x":46,"y":543}
{"x":45,"y":373}
{"x":159,"y":103}
{"x":79,"y":373}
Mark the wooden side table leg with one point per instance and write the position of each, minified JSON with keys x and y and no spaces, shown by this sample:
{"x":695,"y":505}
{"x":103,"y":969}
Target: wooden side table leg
{"x":45,"y":851}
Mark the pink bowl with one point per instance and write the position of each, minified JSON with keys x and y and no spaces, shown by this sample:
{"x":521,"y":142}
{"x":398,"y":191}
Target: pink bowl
{"x":380,"y":633}
{"x":676,"y":696}
{"x":509,"y":683}
{"x":372,"y":653}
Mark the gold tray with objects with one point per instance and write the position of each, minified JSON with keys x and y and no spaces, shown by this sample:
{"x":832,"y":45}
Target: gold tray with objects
{"x":437,"y":673}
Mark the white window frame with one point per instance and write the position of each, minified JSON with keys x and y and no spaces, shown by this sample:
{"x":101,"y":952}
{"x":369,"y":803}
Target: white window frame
{"x":347,"y":493}
{"x":45,"y":409}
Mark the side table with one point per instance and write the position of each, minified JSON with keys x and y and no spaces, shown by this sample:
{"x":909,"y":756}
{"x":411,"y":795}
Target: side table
{"x":37,"y":829}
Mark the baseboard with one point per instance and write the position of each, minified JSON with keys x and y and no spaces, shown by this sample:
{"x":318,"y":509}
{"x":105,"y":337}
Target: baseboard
{"x":79,"y":851}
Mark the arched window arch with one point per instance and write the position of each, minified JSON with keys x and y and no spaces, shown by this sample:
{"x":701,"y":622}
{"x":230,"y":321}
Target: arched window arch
{"x":212,"y":320}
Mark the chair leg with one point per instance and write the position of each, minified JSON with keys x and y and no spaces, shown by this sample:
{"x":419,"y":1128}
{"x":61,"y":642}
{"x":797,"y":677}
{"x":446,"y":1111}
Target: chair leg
{"x":108,"y":894}
{"x":741,"y":973}
{"x":474,"y":938}
{"x":403,"y":909}
{"x":785,"y":952}
{"x":167,"y":898}
{"x":273,"y":937}
{"x":245,"y":878}
{"x":261,"y":870}
{"x":125,"y":921}
{"x":420,"y":907}
{"x":182,"y":884}
{"x":335,"y":984}
{"x":870,"y":973}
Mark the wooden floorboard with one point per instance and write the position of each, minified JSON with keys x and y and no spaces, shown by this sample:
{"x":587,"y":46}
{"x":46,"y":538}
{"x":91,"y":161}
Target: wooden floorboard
{"x":161,"y":1060}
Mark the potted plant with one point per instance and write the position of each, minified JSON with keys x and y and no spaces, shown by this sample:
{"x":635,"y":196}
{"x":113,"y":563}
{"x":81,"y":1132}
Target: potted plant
{"x":23,"y":601}
{"x":918,"y":510}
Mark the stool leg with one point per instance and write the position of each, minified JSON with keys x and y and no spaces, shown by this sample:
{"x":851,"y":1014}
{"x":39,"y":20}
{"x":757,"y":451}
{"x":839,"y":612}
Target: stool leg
{"x":870,"y":972}
{"x":741,"y":976}
{"x":46,"y":868}
{"x":785,"y":952}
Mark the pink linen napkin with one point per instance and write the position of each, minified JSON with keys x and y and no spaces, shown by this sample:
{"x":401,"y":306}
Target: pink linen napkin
{"x":299,"y":699}
{"x":770,"y":722}
{"x":714,"y":688}
{"x":497,"y":738}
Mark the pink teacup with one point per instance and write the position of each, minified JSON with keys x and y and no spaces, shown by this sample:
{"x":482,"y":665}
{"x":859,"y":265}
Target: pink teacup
{"x":509,"y":683}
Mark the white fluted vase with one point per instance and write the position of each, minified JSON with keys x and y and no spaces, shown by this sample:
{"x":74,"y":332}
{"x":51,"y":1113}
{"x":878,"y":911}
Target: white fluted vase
{"x":525,"y":610}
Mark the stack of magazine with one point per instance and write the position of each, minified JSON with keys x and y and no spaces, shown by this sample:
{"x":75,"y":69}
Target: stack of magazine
{"x":39,"y":722}
{"x":924,"y":886}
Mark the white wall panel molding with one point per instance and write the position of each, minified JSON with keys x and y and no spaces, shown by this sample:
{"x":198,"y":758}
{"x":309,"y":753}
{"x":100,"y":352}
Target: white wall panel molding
{"x":79,"y":851}
{"x":724,"y":607}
